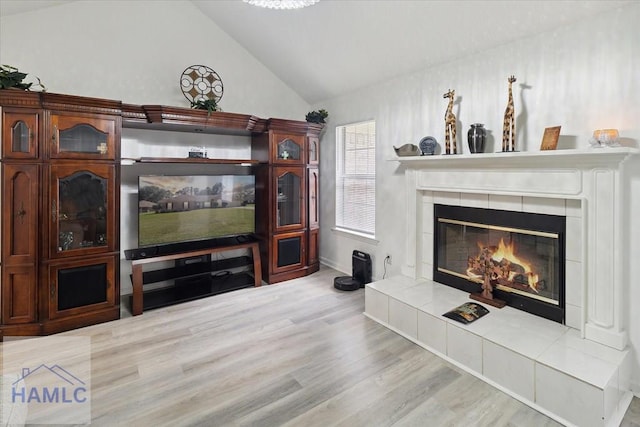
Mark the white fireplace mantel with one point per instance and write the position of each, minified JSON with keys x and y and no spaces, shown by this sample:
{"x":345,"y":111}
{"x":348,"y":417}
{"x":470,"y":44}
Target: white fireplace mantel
{"x":578,"y":373}
{"x":592,"y":177}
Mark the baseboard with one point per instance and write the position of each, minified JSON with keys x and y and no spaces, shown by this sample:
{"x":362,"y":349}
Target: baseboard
{"x":343,"y":269}
{"x":329,"y":263}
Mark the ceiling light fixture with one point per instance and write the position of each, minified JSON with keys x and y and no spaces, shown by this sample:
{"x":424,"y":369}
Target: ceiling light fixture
{"x":282,"y":4}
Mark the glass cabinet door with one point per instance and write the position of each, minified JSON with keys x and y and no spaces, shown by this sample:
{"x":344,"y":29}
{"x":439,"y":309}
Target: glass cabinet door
{"x":290,"y":198}
{"x":82,"y":137}
{"x":288,"y":148}
{"x":82,"y":206}
{"x":20,"y":135}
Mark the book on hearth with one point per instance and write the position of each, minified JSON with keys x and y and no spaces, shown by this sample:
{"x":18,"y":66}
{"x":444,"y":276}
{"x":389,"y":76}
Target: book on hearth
{"x":467,"y":312}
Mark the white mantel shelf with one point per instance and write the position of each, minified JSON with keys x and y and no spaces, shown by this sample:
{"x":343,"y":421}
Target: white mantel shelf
{"x":574,"y":174}
{"x":532,"y":159}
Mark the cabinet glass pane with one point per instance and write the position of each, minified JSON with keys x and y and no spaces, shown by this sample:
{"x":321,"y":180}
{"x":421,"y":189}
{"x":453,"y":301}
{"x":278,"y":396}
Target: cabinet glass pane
{"x":20,"y":138}
{"x":82,"y":212}
{"x":288,"y":149}
{"x":288,"y":199}
{"x":83,"y":139}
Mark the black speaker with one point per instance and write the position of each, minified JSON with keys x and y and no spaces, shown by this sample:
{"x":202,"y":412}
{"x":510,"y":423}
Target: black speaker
{"x":199,"y":268}
{"x":141,"y":253}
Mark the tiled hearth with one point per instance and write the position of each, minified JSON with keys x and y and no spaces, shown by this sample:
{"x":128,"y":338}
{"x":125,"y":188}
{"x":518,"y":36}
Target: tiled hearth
{"x":576,"y":373}
{"x":542,"y":363}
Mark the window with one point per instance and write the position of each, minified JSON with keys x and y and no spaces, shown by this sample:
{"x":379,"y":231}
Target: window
{"x":356,"y":177}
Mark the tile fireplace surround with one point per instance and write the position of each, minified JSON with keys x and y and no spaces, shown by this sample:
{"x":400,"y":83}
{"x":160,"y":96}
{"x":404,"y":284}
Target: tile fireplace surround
{"x":577,"y":373}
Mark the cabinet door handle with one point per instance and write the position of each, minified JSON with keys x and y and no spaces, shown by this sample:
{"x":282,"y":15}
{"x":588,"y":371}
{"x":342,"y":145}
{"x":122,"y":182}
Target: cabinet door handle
{"x":54,"y":211}
{"x":53,"y":291}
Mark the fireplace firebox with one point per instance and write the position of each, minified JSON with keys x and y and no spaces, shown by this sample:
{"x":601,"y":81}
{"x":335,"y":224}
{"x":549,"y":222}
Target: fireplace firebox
{"x":522,"y":255}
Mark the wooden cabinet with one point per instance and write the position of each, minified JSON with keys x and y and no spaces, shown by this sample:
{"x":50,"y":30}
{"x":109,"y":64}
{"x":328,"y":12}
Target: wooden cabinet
{"x":290,"y":206}
{"x":86,"y":136}
{"x":20,"y":133}
{"x":20,"y":213}
{"x":287,"y":185}
{"x":289,"y":251}
{"x":79,"y":287}
{"x":19,"y":295}
{"x":313,"y":189}
{"x":313,"y":150}
{"x":60,"y":204}
{"x":287,"y":148}
{"x":313,"y":253}
{"x":81,"y":209}
{"x":313,"y":193}
{"x":20,"y":202}
{"x":60,"y":211}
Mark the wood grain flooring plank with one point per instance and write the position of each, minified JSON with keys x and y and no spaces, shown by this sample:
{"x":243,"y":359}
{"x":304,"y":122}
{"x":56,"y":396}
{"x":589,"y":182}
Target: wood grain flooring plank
{"x":372,"y":391}
{"x":299,"y":353}
{"x":342,"y":377}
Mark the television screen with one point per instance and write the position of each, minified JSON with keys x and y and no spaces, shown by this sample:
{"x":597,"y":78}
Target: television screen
{"x":175,"y":209}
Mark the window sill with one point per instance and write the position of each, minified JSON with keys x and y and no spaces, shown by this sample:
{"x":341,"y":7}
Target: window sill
{"x":367,"y":238}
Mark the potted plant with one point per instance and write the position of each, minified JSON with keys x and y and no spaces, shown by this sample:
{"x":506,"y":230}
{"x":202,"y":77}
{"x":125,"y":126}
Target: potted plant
{"x":317,"y":116}
{"x":11,"y":78}
{"x":210,"y":104}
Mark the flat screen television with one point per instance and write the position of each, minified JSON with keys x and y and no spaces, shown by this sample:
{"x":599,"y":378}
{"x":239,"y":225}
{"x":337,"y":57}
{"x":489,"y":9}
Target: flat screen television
{"x":175,"y":209}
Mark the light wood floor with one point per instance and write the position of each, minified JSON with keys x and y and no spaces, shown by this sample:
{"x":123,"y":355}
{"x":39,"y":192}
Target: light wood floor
{"x":298,"y":353}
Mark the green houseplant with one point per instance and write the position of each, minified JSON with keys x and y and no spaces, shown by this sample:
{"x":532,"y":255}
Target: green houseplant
{"x":11,"y":78}
{"x":211,"y":105}
{"x":317,"y":116}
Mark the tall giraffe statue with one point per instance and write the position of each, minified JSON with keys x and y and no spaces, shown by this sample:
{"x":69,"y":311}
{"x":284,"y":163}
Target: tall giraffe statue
{"x":450,"y":125}
{"x":509,"y":123}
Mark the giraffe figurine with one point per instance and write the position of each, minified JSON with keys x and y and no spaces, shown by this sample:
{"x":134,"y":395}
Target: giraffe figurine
{"x":509,"y":123}
{"x":450,"y":125}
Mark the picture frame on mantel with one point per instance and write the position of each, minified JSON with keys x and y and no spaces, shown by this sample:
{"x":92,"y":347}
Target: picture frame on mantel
{"x":550,"y":138}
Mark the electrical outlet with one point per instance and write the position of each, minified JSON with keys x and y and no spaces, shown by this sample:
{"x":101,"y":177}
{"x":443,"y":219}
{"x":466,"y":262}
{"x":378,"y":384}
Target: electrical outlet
{"x":388,"y":259}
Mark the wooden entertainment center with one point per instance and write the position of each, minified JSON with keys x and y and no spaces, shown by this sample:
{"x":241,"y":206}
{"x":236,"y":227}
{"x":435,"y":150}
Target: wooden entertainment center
{"x":60,"y":211}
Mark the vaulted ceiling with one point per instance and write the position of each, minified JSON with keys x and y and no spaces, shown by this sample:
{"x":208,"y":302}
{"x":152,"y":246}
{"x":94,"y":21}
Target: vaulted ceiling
{"x":337,"y":46}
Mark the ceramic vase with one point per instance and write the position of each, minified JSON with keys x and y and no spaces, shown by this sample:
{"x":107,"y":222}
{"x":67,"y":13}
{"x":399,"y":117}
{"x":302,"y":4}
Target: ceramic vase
{"x":476,"y":137}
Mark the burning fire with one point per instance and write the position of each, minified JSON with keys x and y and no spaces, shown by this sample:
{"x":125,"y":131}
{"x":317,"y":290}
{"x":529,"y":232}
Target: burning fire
{"x":507,"y":252}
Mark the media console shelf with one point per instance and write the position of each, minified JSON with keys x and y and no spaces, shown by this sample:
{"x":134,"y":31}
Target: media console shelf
{"x":193,"y":160}
{"x":219,"y":283}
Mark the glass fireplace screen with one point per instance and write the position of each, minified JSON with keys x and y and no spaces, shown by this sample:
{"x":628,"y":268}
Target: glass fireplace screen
{"x":517,"y":260}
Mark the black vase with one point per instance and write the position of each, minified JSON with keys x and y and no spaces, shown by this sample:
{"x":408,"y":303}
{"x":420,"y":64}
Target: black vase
{"x":476,"y":138}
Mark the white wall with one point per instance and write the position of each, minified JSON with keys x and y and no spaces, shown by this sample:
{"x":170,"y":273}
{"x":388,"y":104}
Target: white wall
{"x":135,"y":51}
{"x":582,"y":77}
